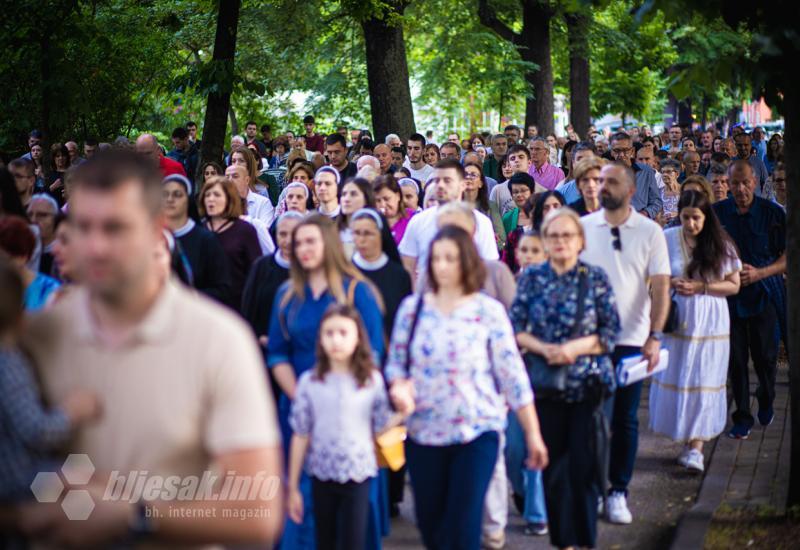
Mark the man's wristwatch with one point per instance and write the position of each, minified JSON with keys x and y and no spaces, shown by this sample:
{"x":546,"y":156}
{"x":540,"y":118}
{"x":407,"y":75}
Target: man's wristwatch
{"x":656,"y":335}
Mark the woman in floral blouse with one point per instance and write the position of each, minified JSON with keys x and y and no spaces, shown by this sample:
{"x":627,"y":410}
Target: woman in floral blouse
{"x":543,"y":315}
{"x":459,"y":370}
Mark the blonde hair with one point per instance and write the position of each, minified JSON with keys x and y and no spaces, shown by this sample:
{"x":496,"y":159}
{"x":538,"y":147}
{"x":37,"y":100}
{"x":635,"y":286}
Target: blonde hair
{"x":564,"y":212}
{"x":293,"y":157}
{"x":458,"y":208}
{"x":584,"y":166}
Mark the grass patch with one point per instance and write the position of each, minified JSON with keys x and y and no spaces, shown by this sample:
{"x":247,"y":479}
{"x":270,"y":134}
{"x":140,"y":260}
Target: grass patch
{"x":761,"y":527}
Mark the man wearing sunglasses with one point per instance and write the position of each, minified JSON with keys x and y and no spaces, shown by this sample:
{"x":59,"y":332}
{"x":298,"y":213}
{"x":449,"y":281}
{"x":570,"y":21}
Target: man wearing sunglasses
{"x":646,"y":198}
{"x":633,"y":252}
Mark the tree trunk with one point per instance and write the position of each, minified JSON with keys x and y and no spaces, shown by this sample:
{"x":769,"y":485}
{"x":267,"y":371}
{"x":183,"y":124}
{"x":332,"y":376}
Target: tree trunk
{"x":234,"y":121}
{"x":579,"y":106}
{"x":685,"y":112}
{"x":536,"y":16}
{"x":791,"y":154}
{"x":46,"y":87}
{"x":704,"y":112}
{"x":219,"y":100}
{"x":387,"y":75}
{"x":670,"y":111}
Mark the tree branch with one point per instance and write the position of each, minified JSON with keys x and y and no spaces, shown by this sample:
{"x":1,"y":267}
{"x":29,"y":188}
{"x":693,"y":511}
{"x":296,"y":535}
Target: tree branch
{"x":488,"y":18}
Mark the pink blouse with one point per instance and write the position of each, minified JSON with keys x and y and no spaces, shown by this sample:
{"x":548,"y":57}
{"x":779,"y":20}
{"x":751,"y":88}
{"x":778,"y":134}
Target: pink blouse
{"x":399,"y":228}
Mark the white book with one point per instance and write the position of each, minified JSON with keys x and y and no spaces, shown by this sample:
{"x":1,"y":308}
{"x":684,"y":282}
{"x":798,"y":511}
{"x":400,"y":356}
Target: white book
{"x":632,"y":369}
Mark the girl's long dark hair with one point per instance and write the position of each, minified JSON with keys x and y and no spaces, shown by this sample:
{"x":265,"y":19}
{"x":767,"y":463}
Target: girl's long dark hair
{"x":713,"y":243}
{"x":361,"y":365}
{"x":482,"y":200}
{"x":538,"y":209}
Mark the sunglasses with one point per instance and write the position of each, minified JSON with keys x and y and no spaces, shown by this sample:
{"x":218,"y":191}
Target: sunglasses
{"x":617,"y":242}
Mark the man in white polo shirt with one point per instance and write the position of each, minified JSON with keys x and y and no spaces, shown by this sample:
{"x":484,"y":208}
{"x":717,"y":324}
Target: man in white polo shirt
{"x":180,"y":378}
{"x":633,"y":251}
{"x":448,"y":176}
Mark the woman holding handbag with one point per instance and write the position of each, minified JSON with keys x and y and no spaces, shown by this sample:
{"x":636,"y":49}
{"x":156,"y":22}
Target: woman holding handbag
{"x":452,"y":354}
{"x":566,"y":320}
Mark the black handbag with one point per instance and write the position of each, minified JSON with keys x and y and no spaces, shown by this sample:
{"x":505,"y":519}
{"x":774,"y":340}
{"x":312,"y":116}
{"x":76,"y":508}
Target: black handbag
{"x":550,"y":381}
{"x":671,"y":324}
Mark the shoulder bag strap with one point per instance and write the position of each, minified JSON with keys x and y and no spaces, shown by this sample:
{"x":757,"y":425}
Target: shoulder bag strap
{"x":351,"y":293}
{"x":412,"y":331}
{"x":583,"y":290}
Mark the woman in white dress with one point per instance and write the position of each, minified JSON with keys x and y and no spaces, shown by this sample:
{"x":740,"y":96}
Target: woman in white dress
{"x":688,"y":400}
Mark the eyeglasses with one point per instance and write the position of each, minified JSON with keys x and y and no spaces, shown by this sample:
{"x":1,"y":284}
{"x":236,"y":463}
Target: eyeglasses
{"x":471,"y":176}
{"x":619,"y":151}
{"x":617,"y":242}
{"x":560,"y":236}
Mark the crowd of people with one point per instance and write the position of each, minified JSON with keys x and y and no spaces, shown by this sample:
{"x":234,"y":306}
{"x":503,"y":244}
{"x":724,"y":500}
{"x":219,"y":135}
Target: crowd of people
{"x":289,"y":303}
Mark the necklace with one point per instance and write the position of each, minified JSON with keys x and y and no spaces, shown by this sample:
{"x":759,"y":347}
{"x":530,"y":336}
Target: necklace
{"x":225,"y":225}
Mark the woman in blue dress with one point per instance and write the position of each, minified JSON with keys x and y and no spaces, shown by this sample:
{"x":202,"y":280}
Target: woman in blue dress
{"x":319,"y":275}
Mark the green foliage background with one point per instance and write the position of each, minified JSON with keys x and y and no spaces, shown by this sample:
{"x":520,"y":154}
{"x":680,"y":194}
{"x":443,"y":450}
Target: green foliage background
{"x":103,"y":68}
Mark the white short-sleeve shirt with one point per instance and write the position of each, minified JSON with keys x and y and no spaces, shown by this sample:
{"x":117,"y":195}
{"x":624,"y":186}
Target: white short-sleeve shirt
{"x":422,"y":229}
{"x":260,"y":208}
{"x":643,"y":255}
{"x":422,"y":174}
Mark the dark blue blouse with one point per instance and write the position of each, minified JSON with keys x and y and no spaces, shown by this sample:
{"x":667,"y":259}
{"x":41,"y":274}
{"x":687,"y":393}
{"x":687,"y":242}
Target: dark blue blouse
{"x":760,"y":236}
{"x":293,"y":328}
{"x":546,"y":305}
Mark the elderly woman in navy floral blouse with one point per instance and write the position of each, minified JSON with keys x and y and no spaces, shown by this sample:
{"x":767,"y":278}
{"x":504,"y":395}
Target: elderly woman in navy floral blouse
{"x":543,"y":316}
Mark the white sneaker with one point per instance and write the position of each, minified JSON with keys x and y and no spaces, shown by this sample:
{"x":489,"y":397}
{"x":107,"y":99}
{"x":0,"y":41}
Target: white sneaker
{"x":694,"y":461}
{"x":684,"y":456}
{"x":618,"y":509}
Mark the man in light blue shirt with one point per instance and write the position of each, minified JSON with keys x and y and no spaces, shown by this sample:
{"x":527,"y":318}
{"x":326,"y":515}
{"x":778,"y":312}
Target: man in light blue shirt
{"x":569,"y":189}
{"x":759,"y":143}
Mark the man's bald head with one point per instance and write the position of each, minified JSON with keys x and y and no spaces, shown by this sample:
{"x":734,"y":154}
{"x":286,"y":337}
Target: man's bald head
{"x":742,"y":167}
{"x":368,"y":160}
{"x":148,"y":141}
{"x":383,"y":153}
{"x":742,"y":183}
{"x":147,"y":146}
{"x":239,"y":176}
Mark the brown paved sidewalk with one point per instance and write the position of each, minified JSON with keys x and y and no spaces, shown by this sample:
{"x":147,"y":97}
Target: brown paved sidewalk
{"x":660,"y":493}
{"x":750,"y":474}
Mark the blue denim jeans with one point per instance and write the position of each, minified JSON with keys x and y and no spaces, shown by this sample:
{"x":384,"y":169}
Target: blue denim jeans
{"x":622,"y":410}
{"x":449,"y":485}
{"x":524,"y":481}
